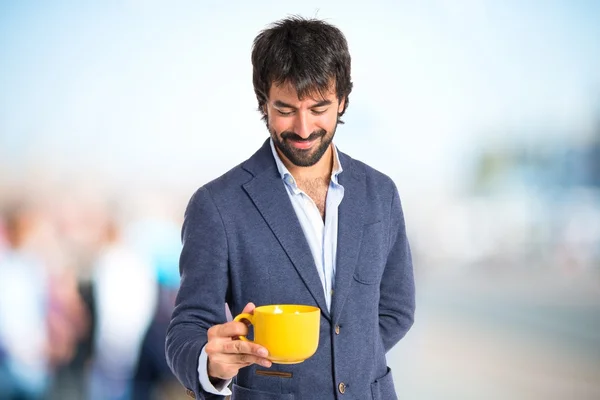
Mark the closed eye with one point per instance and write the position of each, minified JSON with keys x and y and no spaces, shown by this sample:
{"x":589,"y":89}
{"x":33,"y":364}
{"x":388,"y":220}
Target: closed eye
{"x":284,"y":113}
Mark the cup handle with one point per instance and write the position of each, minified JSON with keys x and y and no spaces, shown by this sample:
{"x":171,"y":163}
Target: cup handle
{"x":248,"y":317}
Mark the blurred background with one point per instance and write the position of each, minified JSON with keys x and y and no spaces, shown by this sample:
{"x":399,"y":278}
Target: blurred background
{"x":485,"y":113}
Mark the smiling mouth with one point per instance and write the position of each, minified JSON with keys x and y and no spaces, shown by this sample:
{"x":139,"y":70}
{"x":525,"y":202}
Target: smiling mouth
{"x":302,"y":144}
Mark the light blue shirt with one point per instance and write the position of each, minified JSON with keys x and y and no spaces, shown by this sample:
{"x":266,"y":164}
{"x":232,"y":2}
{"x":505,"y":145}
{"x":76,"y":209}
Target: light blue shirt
{"x":320,"y":235}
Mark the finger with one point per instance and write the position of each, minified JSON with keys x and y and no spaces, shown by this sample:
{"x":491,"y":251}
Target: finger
{"x":241,"y":347}
{"x":231,"y":329}
{"x":240,"y":360}
{"x":227,"y":330}
{"x":249,"y":308}
{"x":247,"y":359}
{"x":226,"y":366}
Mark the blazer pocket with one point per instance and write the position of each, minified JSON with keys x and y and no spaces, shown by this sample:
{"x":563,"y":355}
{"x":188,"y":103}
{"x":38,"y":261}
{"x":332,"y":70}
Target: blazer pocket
{"x":275,"y":374}
{"x":383,"y":388}
{"x":242,"y":393}
{"x":372,"y":254}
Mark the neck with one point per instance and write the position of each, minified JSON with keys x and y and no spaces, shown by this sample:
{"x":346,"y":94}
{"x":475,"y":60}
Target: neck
{"x":321,"y":169}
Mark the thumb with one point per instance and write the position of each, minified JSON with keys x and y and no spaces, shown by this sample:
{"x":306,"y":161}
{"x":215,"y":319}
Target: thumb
{"x":249,"y":308}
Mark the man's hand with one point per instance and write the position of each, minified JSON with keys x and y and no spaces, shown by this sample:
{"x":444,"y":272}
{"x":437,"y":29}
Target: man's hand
{"x":227,"y":354}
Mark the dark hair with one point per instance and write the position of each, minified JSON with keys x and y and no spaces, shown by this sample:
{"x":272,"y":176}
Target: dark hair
{"x":308,"y":53}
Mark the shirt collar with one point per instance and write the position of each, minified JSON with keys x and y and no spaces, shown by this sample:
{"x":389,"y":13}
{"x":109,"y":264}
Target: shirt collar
{"x":287,"y":176}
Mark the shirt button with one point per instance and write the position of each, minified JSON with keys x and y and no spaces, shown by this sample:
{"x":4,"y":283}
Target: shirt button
{"x":337,"y":329}
{"x":342,"y":387}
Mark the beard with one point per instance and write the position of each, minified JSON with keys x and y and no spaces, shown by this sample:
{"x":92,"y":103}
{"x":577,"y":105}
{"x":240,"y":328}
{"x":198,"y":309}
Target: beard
{"x":302,"y":157}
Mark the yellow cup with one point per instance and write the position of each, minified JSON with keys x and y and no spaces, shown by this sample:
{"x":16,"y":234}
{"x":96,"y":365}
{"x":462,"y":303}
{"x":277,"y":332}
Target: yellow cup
{"x":290,"y":332}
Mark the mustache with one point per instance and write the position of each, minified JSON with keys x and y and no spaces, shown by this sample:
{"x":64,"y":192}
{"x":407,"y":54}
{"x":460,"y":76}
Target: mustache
{"x":288,"y":135}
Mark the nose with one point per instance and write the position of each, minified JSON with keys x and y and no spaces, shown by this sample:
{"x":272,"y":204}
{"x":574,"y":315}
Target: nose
{"x":303,"y":125}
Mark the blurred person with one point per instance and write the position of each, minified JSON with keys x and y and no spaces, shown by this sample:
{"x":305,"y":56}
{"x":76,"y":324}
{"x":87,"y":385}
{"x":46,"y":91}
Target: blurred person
{"x":25,"y":348}
{"x":68,"y":317}
{"x":158,"y":239}
{"x":69,"y":324}
{"x":124,"y":288}
{"x":298,"y":222}
{"x":153,"y":376}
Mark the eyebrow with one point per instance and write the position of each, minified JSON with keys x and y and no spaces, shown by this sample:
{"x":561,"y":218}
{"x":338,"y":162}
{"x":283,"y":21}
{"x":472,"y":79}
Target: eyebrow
{"x":281,"y":104}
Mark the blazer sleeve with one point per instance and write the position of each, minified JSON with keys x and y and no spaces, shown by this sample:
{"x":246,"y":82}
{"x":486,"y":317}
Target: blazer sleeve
{"x":200,"y":302}
{"x":397,"y":290}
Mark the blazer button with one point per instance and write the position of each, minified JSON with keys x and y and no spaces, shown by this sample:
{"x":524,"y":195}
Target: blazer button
{"x":342,"y":387}
{"x":337,"y":329}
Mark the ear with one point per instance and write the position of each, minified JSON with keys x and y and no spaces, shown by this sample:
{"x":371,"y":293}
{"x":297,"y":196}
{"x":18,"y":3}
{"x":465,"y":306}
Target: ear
{"x":341,"y":105}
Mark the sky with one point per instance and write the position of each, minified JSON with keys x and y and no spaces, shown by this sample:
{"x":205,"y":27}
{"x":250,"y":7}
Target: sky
{"x":149,"y":91}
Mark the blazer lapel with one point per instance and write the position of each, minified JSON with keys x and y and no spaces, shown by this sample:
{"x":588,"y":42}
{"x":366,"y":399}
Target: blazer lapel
{"x":269,"y":195}
{"x":350,"y":229}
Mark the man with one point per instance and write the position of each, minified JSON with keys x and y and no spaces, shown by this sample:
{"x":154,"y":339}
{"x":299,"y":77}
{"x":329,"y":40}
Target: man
{"x":299,"y":222}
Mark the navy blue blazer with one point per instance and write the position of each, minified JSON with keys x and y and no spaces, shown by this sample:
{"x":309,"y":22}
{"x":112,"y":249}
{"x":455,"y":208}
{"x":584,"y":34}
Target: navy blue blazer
{"x":242,"y":242}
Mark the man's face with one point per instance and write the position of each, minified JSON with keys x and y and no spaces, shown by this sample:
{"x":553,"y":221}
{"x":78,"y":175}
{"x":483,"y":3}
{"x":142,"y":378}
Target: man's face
{"x":302,"y":129}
